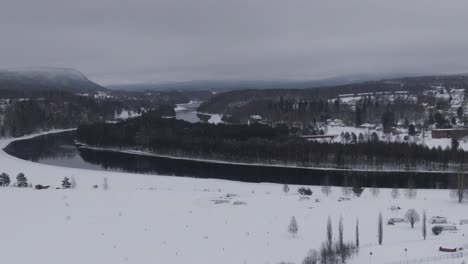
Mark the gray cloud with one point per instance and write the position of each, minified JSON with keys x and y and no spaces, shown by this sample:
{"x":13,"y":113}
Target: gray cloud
{"x":115,"y":41}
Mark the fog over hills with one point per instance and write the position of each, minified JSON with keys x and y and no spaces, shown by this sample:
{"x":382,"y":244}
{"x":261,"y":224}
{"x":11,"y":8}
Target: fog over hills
{"x":45,"y":78}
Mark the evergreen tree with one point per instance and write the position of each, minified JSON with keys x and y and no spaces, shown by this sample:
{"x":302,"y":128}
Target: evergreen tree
{"x":329,"y":241}
{"x":411,"y":130}
{"x":21,"y":180}
{"x":293,"y":228}
{"x":357,"y":232}
{"x":424,"y":228}
{"x":455,"y":144}
{"x":285,"y":188}
{"x":5,"y":179}
{"x":66,"y":184}
{"x":380,"y":229}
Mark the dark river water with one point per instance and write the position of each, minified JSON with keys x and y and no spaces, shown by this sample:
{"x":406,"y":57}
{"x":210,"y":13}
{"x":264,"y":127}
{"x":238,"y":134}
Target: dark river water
{"x":59,"y":149}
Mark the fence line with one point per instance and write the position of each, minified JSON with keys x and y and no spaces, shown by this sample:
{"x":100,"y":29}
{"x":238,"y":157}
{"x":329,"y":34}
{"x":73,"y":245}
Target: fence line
{"x":455,"y":255}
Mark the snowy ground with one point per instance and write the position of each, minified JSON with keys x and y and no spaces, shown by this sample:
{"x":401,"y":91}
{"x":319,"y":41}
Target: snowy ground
{"x":156,"y":219}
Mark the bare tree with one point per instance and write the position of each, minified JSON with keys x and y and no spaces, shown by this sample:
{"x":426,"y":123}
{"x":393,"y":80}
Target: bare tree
{"x":329,"y":234}
{"x":357,"y":232}
{"x":293,"y":228}
{"x":380,"y":229}
{"x":375,"y":191}
{"x":460,"y":191}
{"x":285,"y":188}
{"x":326,"y":189}
{"x":410,"y":192}
{"x":346,"y":189}
{"x":395,"y":193}
{"x":73,"y":182}
{"x":412,"y":217}
{"x":105,"y":184}
{"x":424,"y":228}
{"x":341,"y":246}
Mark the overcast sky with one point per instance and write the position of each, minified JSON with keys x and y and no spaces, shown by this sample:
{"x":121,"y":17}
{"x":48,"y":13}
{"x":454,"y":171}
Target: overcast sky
{"x":114,"y":41}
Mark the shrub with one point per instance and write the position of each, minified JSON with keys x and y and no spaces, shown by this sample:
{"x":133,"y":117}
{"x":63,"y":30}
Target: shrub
{"x":304,"y":191}
{"x":436,"y":230}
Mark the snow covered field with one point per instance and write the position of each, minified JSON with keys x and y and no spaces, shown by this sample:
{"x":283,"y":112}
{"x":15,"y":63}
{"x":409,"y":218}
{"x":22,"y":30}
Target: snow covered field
{"x":159,"y":219}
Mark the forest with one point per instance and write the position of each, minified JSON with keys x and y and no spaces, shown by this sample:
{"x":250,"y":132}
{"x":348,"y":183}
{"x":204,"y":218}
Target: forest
{"x":263,"y":144}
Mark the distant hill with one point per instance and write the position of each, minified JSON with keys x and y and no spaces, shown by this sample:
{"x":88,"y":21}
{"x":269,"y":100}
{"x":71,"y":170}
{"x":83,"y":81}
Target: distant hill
{"x":231,"y":85}
{"x":34,"y":79}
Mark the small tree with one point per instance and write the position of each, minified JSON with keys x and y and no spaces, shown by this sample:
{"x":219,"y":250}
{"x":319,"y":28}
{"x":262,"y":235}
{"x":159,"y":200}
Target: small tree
{"x":424,"y":228}
{"x":105,"y":184}
{"x":5,"y":179}
{"x":66,"y":183}
{"x":293,"y":228}
{"x":412,"y":217}
{"x":326,"y":189}
{"x":329,"y":241}
{"x":21,"y":180}
{"x":73,"y":183}
{"x":380,"y":229}
{"x":341,"y":246}
{"x":375,"y":191}
{"x":285,"y":188}
{"x":357,"y":188}
{"x":304,"y":191}
{"x":357,"y":232}
{"x":411,"y":191}
{"x":395,"y":193}
{"x":460,"y":192}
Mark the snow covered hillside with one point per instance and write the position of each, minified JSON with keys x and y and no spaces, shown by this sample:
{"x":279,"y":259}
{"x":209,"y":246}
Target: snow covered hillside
{"x":163,"y":219}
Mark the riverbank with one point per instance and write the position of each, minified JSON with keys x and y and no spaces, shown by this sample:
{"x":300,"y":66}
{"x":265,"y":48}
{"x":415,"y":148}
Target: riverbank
{"x":165,"y":219}
{"x":325,"y":169}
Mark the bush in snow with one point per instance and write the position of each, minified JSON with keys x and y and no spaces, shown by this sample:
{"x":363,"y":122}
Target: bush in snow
{"x":412,"y":217}
{"x":304,"y":191}
{"x":312,"y":257}
{"x":436,"y":230}
{"x":21,"y":180}
{"x":66,"y":183}
{"x":285,"y":188}
{"x":4,"y":179}
{"x":293,"y":228}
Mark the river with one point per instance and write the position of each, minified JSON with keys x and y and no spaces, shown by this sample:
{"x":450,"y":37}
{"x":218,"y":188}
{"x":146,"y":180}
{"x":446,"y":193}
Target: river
{"x":59,"y":149}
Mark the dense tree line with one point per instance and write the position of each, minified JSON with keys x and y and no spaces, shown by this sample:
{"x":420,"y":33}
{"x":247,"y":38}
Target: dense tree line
{"x":261,"y":144}
{"x":55,"y":109}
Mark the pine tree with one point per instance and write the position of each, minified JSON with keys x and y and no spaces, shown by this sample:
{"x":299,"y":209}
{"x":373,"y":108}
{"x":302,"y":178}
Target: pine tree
{"x":293,"y":228}
{"x":285,"y":188}
{"x":380,"y":229}
{"x":66,"y":183}
{"x":5,"y":179}
{"x":21,"y":180}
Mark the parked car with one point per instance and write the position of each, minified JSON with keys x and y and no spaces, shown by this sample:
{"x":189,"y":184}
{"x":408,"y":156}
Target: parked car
{"x":438,"y":220}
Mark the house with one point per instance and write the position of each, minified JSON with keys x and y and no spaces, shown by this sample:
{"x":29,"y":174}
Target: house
{"x":450,"y":133}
